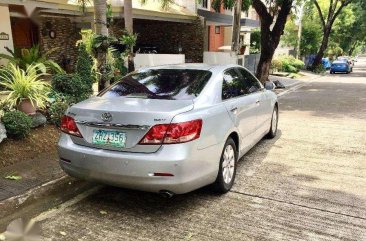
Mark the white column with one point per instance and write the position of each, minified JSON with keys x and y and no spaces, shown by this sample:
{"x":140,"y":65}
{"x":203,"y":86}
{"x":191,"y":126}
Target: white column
{"x":5,"y":28}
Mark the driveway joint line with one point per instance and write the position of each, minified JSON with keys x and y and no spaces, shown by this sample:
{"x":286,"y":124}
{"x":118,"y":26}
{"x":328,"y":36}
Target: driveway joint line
{"x":298,"y":205}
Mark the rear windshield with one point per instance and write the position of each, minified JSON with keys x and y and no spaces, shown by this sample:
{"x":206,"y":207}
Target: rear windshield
{"x":169,"y":84}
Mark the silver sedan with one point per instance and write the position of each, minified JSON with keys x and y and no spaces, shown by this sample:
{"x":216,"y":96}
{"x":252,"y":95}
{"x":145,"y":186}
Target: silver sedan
{"x":168,"y":129}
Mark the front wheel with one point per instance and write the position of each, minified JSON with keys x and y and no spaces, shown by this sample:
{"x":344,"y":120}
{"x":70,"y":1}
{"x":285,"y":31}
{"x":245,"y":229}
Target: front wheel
{"x":274,"y":122}
{"x":227,"y":169}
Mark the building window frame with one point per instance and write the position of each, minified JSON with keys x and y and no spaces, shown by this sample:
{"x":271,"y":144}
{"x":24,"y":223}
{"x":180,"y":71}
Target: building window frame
{"x":217,"y":29}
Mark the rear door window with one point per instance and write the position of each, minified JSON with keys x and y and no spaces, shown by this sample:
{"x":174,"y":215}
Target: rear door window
{"x":252,"y":83}
{"x":239,"y":82}
{"x":232,"y":85}
{"x":168,"y":84}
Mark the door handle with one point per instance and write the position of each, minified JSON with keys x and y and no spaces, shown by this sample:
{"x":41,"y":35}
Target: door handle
{"x":234,"y":109}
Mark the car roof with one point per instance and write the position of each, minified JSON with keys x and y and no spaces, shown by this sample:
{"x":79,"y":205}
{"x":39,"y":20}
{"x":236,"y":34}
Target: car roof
{"x":196,"y":66}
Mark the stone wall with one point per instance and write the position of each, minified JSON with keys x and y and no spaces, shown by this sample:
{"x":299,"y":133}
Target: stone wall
{"x":168,"y":36}
{"x":66,"y":35}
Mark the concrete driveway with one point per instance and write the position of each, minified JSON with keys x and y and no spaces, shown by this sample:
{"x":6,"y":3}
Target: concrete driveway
{"x":307,"y":184}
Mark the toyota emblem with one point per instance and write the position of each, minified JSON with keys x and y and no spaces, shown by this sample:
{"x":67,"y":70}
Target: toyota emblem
{"x":107,"y":117}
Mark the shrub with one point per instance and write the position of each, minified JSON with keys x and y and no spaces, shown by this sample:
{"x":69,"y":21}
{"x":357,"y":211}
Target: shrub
{"x":288,"y":63}
{"x":319,"y":69}
{"x":84,"y":66}
{"x":298,"y":64}
{"x":33,"y":56}
{"x":289,"y":68}
{"x":71,"y":86}
{"x":276,"y":64}
{"x":57,"y":110}
{"x":17,"y":124}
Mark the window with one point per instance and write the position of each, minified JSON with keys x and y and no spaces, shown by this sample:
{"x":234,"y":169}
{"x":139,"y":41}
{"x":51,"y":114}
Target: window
{"x":251,"y":81}
{"x":169,"y":84}
{"x":239,"y":82}
{"x":232,"y":84}
{"x":217,"y":29}
{"x":204,"y":3}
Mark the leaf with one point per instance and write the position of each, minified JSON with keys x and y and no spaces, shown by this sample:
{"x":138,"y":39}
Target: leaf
{"x":103,"y":212}
{"x":63,"y":233}
{"x":14,"y":177}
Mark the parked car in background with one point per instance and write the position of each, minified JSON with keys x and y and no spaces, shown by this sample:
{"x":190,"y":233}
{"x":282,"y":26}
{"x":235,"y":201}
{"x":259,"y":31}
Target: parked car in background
{"x":326,"y":63}
{"x":169,"y":129}
{"x":348,"y":60}
{"x":340,"y":66}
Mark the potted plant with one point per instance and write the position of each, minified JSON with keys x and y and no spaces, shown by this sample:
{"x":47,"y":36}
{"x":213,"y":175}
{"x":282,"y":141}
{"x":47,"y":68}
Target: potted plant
{"x":25,"y":89}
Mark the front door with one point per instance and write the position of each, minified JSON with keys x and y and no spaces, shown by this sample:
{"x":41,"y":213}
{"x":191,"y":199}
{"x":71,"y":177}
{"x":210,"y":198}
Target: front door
{"x":25,"y":33}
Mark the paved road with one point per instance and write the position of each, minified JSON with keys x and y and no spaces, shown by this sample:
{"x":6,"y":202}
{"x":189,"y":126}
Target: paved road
{"x":307,"y":184}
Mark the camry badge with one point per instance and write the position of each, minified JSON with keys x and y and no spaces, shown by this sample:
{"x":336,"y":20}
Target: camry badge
{"x":107,"y":117}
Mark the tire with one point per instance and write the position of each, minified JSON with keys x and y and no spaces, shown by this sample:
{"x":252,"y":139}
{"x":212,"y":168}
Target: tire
{"x":227,"y":169}
{"x":273,"y":130}
{"x":331,"y":72}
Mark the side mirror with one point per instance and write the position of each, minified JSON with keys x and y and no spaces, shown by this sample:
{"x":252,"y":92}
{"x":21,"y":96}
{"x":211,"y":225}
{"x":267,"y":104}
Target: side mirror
{"x":269,"y":85}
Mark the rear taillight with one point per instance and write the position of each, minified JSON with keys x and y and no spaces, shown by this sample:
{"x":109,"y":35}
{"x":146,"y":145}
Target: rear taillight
{"x":69,"y":126}
{"x":173,"y":133}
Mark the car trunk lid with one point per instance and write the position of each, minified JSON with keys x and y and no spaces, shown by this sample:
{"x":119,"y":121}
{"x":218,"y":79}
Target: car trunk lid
{"x":126,"y":118}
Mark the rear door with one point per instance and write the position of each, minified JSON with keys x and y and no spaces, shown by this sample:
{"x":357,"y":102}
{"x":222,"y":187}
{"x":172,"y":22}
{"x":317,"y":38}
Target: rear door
{"x":264,"y":109}
{"x":241,"y":106}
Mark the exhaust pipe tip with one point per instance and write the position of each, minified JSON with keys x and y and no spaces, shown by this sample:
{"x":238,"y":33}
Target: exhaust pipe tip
{"x":166,"y":194}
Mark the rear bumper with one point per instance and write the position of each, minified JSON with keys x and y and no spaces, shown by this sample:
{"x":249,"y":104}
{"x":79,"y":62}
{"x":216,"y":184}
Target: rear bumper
{"x":192,"y":168}
{"x":339,"y":70}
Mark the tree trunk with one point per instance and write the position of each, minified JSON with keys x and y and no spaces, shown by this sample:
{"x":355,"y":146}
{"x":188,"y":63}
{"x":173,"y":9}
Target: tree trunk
{"x":236,"y":27}
{"x":323,"y":47}
{"x":127,"y":12}
{"x":271,"y":33}
{"x":263,"y":68}
{"x":353,"y":47}
{"x":267,"y":52}
{"x":100,"y":18}
{"x":299,"y":33}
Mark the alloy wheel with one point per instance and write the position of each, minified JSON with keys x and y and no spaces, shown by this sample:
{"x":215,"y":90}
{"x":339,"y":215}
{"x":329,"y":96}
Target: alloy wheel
{"x":228,"y":164}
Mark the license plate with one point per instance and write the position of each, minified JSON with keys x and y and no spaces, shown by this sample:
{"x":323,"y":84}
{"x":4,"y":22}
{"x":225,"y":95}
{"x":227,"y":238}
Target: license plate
{"x":109,"y":138}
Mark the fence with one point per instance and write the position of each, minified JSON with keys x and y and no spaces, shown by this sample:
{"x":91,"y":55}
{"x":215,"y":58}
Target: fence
{"x":251,"y":62}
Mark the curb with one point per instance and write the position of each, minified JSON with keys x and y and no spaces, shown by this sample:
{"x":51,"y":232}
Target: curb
{"x":40,"y":199}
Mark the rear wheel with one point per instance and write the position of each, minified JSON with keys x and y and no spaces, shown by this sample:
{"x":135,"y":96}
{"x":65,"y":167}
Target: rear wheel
{"x":227,"y":169}
{"x":274,"y":122}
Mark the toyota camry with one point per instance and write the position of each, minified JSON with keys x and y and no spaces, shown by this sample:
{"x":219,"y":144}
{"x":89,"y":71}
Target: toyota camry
{"x":168,"y":129}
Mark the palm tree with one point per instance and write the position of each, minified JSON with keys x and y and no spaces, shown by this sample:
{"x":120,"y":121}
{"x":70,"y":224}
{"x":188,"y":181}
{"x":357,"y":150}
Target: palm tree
{"x":100,"y":24}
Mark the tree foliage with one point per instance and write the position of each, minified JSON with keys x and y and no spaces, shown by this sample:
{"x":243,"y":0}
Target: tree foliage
{"x":328,"y":12}
{"x":347,"y":33}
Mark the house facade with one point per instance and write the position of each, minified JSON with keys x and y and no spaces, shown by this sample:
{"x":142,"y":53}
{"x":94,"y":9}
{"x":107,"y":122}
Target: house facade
{"x":186,"y":27}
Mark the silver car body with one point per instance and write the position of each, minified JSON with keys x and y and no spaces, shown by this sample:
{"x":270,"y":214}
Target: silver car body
{"x":194,"y":164}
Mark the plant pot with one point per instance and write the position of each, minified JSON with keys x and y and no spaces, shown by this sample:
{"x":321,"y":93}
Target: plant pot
{"x":27,"y":107}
